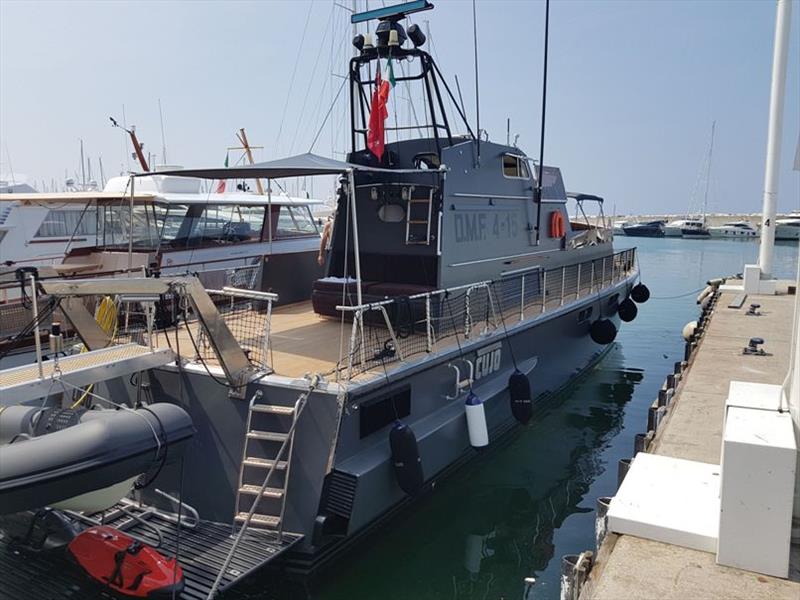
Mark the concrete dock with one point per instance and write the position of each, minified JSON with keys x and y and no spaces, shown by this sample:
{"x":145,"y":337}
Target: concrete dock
{"x":634,"y":568}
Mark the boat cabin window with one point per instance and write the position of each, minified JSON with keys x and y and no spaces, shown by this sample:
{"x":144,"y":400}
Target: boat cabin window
{"x":63,"y":223}
{"x":380,"y":412}
{"x":515,"y":166}
{"x":113,"y":226}
{"x":427,"y":160}
{"x":180,"y":225}
{"x":292,"y":221}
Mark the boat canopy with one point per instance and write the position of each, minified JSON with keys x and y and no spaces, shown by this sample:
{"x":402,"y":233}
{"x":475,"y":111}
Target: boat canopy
{"x":302,"y":165}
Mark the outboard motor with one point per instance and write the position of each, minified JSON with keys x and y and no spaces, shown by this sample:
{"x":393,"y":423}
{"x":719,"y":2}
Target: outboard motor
{"x":406,"y":459}
{"x":519,"y":390}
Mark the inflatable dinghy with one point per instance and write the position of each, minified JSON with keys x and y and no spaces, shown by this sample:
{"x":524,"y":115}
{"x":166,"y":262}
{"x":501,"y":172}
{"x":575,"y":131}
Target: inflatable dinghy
{"x":50,"y":455}
{"x":126,"y":565}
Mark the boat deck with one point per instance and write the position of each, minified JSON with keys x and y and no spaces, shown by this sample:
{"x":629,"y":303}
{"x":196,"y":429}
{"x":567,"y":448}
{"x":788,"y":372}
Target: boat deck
{"x":51,"y":575}
{"x":301,"y":341}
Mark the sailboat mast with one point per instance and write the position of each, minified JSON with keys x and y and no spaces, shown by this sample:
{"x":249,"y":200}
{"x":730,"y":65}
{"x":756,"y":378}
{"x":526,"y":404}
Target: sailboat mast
{"x":708,"y":173}
{"x":243,"y":139}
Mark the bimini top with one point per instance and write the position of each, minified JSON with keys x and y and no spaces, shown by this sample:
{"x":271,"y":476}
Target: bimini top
{"x":302,"y":165}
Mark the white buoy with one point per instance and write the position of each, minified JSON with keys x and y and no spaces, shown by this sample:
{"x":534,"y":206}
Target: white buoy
{"x":476,"y":422}
{"x":688,"y":330}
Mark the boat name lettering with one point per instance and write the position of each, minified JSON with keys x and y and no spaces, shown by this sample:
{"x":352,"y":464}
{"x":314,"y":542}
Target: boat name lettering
{"x":474,"y":226}
{"x":488,"y":360}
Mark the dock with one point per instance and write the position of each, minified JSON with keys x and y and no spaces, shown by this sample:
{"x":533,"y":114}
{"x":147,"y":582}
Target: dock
{"x":691,"y":428}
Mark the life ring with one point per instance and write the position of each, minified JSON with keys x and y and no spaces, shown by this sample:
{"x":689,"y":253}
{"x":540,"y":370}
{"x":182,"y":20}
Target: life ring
{"x":557,"y":229}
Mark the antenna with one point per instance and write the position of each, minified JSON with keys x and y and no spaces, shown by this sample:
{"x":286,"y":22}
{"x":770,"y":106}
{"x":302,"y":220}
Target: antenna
{"x":538,"y":196}
{"x":163,"y":142}
{"x":461,"y":98}
{"x":477,"y":95}
{"x":102,"y":175}
{"x":125,"y":141}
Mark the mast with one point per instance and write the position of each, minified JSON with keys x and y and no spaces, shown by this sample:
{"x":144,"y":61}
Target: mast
{"x":163,"y":139}
{"x":708,"y":173}
{"x":136,"y":145}
{"x":83,"y":170}
{"x":776,"y":101}
{"x":243,"y":140}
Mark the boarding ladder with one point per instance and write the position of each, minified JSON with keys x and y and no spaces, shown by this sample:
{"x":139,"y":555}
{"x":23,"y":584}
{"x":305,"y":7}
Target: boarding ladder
{"x":266,"y":463}
{"x":419,"y":212}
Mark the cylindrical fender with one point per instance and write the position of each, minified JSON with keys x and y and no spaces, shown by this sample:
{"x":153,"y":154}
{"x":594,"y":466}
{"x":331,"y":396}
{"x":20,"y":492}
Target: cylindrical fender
{"x":519,"y":390}
{"x":476,"y":421}
{"x":627,"y":310}
{"x":405,"y":458}
{"x":640,"y":293}
{"x":603,"y":331}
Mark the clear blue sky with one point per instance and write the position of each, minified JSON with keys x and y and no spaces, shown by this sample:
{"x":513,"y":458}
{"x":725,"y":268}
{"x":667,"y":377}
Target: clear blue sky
{"x":634,"y":86}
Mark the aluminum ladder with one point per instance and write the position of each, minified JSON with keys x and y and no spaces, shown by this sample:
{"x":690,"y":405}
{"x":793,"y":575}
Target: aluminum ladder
{"x":267,"y":456}
{"x":418,"y":226}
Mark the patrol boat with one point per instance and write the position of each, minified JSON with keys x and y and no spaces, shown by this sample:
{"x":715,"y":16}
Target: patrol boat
{"x":457,"y":299}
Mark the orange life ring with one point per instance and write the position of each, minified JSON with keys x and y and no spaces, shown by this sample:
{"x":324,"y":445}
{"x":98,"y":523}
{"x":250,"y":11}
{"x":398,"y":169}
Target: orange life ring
{"x":557,"y":229}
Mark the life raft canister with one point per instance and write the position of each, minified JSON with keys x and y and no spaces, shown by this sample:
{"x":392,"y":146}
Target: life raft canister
{"x":125,"y":565}
{"x":557,"y":229}
{"x":405,"y":458}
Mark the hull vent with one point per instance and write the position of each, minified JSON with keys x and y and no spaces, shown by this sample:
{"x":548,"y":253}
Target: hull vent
{"x":341,"y":492}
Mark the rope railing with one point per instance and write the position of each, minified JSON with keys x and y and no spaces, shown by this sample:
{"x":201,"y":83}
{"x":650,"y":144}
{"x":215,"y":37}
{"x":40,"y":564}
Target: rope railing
{"x":398,"y":328}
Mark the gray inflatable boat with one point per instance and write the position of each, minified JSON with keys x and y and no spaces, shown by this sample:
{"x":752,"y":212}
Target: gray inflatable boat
{"x":50,"y":455}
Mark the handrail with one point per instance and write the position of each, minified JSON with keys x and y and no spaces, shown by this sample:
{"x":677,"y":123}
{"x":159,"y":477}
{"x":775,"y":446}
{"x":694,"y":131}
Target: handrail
{"x":540,"y":289}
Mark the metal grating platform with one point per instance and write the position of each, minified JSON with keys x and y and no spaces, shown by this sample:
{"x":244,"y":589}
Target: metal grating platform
{"x":53,"y":576}
{"x":20,"y":384}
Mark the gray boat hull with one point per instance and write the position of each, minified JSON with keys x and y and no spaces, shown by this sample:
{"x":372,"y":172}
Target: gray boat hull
{"x":342,"y":482}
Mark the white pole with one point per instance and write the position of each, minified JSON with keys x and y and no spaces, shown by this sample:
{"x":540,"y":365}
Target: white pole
{"x":130,"y":233}
{"x":777,"y":96}
{"x":36,"y":338}
{"x":355,"y":234}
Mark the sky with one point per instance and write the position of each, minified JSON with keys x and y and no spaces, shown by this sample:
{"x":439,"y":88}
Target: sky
{"x":633,"y":87}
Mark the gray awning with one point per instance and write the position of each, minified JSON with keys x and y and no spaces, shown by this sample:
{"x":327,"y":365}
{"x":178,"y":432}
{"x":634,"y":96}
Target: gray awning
{"x":302,"y":165}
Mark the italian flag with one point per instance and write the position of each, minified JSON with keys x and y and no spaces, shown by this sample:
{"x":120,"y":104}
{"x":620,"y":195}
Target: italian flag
{"x":378,"y":112}
{"x":222,"y":182}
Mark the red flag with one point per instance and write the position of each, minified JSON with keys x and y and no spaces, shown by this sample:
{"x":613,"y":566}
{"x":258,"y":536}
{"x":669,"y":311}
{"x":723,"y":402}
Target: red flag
{"x":377,"y":115}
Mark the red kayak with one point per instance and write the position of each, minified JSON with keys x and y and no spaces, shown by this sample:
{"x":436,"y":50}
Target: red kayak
{"x":125,"y":565}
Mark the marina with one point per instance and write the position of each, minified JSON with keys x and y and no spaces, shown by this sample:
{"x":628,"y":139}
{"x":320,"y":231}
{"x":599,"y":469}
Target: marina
{"x":457,"y":374}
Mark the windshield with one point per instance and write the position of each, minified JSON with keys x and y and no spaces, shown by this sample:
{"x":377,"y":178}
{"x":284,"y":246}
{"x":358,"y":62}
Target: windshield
{"x":179,"y":225}
{"x":194,"y":225}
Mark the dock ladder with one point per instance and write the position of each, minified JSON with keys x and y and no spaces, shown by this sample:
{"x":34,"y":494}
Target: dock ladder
{"x":419,"y":212}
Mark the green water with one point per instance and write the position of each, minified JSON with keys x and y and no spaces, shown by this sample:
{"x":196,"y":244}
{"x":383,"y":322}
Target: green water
{"x":516,"y":509}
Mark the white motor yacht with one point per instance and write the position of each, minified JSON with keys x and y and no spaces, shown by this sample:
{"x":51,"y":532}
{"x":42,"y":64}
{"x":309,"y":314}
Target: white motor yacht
{"x":736,"y":229}
{"x":787,"y":228}
{"x":675,"y":228}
